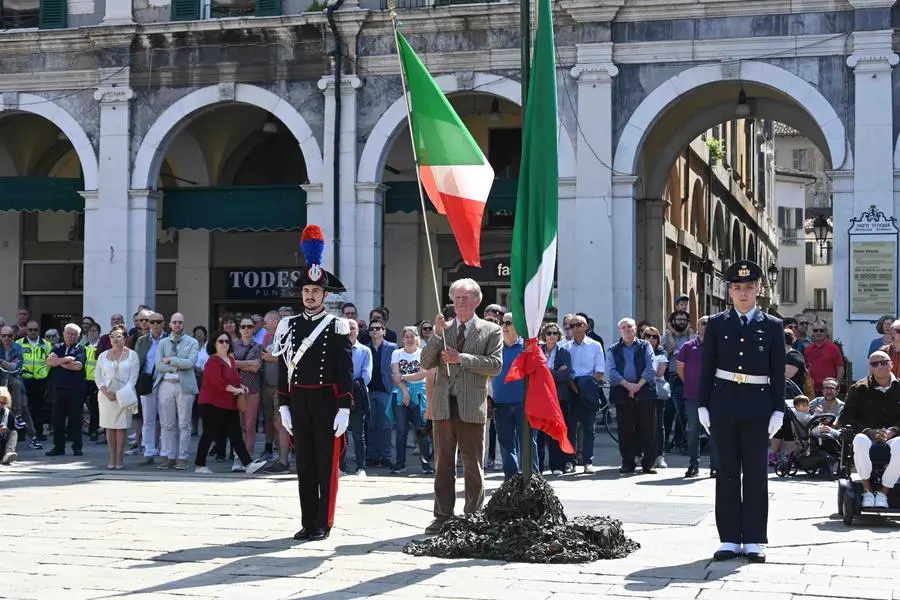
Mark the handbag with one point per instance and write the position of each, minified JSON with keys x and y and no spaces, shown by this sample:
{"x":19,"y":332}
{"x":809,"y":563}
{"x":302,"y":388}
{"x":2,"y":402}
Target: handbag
{"x":241,"y":402}
{"x":144,"y":385}
{"x":126,"y":397}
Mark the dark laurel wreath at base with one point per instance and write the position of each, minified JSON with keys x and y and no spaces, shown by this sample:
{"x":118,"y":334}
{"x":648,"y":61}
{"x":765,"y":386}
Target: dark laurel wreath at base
{"x":526,"y":525}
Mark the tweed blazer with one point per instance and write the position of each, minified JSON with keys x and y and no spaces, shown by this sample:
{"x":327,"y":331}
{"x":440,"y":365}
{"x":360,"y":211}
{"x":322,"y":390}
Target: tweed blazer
{"x":482,"y":358}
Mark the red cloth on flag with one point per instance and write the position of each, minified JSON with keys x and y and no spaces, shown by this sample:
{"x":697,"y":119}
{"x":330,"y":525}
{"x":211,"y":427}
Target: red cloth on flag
{"x":541,"y":401}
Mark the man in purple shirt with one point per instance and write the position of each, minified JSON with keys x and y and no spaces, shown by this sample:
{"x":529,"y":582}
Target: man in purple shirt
{"x":688,"y":366}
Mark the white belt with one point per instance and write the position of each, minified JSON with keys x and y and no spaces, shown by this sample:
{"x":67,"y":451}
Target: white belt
{"x":171,"y":378}
{"x":742,"y":378}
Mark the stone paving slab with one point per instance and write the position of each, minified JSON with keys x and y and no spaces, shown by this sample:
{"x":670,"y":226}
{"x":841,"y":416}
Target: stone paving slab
{"x":75,"y":531}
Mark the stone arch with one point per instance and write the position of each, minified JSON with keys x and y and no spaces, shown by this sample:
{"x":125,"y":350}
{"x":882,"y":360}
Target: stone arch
{"x":751,"y":248}
{"x":737,"y":245}
{"x":808,"y":111}
{"x":697,"y":220}
{"x":672,"y":196}
{"x":30,"y":103}
{"x":378,"y":144}
{"x":187,"y":161}
{"x":172,"y":121}
{"x":719,"y":243}
{"x":692,"y":307}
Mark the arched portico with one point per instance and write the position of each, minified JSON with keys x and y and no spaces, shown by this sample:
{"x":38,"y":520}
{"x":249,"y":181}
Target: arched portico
{"x":29,"y":103}
{"x":378,"y":145}
{"x":153,"y":147}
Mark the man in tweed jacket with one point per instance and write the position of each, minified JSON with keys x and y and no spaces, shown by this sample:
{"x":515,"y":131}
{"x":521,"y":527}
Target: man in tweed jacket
{"x":465,"y":354}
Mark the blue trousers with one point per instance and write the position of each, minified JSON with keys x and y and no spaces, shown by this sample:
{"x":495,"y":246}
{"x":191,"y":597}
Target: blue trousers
{"x":358,"y":432}
{"x":508,"y":419}
{"x":406,"y":416}
{"x":580,"y":414}
{"x":693,"y":434}
{"x":379,"y":428}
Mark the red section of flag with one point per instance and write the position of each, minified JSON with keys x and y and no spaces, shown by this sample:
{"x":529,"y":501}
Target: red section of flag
{"x":464,"y":215}
{"x":541,"y":401}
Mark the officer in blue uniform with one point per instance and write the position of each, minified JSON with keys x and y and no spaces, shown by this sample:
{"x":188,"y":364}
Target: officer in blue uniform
{"x":742,"y":407}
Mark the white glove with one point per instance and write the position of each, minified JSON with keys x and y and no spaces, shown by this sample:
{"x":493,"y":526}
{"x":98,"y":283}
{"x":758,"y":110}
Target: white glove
{"x":703,"y":415}
{"x":286,"y":422}
{"x":341,"y":421}
{"x":775,"y":423}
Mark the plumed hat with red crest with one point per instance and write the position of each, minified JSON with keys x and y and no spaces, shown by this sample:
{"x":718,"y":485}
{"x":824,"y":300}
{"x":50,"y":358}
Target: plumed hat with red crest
{"x":312,"y":244}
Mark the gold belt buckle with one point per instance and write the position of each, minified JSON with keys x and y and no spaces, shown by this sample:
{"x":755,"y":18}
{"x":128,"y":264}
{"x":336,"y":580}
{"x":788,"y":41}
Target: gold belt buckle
{"x":740,"y":378}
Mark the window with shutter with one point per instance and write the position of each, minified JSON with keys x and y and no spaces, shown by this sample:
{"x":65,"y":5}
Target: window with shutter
{"x":185,"y":10}
{"x":810,"y":250}
{"x":782,"y":215}
{"x":798,"y":218}
{"x":268,"y":8}
{"x":53,"y":14}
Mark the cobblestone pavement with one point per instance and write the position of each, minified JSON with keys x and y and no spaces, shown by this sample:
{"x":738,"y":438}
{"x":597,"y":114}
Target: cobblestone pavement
{"x":74,"y":530}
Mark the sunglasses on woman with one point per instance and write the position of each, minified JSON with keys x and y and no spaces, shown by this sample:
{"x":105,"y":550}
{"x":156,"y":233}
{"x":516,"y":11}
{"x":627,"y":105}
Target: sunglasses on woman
{"x":222,"y":341}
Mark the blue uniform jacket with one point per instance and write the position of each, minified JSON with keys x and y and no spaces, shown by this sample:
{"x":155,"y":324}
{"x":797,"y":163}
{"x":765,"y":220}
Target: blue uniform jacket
{"x":757,"y":349}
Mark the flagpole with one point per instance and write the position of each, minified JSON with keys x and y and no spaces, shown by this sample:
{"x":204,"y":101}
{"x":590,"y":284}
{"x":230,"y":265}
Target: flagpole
{"x":525,"y":59}
{"x":392,"y":5}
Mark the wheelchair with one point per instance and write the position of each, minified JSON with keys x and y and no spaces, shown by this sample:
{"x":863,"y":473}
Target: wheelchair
{"x":850,"y":489}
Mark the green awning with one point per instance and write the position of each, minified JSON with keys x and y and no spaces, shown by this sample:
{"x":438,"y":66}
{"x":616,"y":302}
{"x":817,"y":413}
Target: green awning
{"x":403,"y":196}
{"x":41,"y":193}
{"x":235,"y":208}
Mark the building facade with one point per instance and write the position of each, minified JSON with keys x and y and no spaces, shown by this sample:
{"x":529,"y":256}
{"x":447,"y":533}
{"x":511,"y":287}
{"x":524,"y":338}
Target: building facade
{"x":168,"y":151}
{"x":803,"y":194}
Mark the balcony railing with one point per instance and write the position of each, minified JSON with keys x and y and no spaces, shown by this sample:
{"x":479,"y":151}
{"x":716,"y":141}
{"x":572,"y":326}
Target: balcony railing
{"x":790,"y":237}
{"x":408,"y":4}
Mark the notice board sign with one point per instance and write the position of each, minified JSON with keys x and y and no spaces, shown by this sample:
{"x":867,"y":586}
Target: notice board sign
{"x":873,"y":265}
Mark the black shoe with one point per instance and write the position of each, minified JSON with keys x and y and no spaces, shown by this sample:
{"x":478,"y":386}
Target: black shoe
{"x":625,"y":470}
{"x":435,"y":527}
{"x":712,"y":473}
{"x":77,"y":453}
{"x":725,"y":555}
{"x":319,"y":534}
{"x":55,"y":452}
{"x":372,"y":462}
{"x":427,"y":470}
{"x":692,"y":472}
{"x":756,"y":557}
{"x":302,"y":535}
{"x":648,"y":470}
{"x":41,"y":438}
{"x":386,"y":463}
{"x":276,"y":467}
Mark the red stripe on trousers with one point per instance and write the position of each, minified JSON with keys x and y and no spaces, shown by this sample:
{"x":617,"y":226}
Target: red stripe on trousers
{"x":335,"y":467}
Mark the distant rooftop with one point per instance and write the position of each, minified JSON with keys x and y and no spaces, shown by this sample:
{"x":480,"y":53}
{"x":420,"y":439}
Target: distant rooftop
{"x":786,"y":130}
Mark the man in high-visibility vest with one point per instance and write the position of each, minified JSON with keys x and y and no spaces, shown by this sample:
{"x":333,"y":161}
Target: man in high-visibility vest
{"x":35,"y":372}
{"x":90,"y":388}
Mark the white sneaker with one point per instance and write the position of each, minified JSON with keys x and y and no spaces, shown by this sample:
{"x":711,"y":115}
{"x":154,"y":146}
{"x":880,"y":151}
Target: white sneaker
{"x":881,"y":500}
{"x":253,"y":467}
{"x":556,"y":472}
{"x":203,"y":470}
{"x":588,"y":469}
{"x":236,"y":466}
{"x":11,"y":457}
{"x":360,"y":472}
{"x":661,"y":462}
{"x":868,"y":500}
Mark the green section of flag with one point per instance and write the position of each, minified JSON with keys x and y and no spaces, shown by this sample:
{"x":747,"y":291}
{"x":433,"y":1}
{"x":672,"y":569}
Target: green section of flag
{"x":537,"y":206}
{"x":441,"y":138}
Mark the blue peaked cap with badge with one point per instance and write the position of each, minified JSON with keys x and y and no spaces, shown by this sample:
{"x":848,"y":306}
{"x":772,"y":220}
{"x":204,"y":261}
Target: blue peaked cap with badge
{"x":312,"y":244}
{"x":743,"y":271}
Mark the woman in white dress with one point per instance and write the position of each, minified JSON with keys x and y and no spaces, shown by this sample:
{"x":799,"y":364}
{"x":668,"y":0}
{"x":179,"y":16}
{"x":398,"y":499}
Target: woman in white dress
{"x":117,"y":372}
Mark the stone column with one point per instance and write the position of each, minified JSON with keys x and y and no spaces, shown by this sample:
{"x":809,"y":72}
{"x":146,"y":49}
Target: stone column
{"x":347,"y":165}
{"x":872,"y":61}
{"x":118,"y":12}
{"x":855,"y":336}
{"x":587,"y":245}
{"x":622,"y":264}
{"x":10,"y":262}
{"x":192,"y":274}
{"x":120,"y":226}
{"x":318,"y":211}
{"x":650,"y":295}
{"x":369,"y":244}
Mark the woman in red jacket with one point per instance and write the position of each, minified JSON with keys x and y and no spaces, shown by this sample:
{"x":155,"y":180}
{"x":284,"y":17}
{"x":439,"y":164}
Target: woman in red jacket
{"x":218,"y":405}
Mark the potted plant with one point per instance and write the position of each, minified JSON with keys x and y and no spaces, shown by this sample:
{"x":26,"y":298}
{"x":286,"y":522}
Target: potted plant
{"x":716,"y":152}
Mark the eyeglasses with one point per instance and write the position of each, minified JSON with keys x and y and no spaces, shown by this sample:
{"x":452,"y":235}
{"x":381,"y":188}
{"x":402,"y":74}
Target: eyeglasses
{"x":829,"y":387}
{"x":879,"y":363}
{"x":222,"y":341}
{"x":651,"y":336}
{"x":551,"y":333}
{"x":177,"y":322}
{"x":576,"y":325}
{"x":897,"y":330}
{"x":32,"y":329}
{"x":155,"y":322}
{"x":428,"y":329}
{"x":376,"y":328}
{"x":246,"y":326}
{"x":803,"y":323}
{"x":507,"y":323}
{"x":142,"y":320}
{"x":818,"y":331}
{"x":6,"y":336}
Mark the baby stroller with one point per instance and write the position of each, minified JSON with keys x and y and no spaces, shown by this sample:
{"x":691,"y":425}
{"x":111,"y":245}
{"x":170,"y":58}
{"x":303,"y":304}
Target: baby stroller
{"x":810,"y":454}
{"x":850,"y":491}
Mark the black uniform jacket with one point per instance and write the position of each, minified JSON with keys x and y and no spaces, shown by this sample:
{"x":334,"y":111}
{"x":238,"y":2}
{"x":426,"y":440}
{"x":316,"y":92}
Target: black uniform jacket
{"x":757,"y":349}
{"x":327,"y":363}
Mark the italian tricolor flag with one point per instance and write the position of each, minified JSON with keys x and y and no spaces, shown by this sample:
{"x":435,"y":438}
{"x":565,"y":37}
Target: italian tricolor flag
{"x":453,"y":170}
{"x":534,"y":234}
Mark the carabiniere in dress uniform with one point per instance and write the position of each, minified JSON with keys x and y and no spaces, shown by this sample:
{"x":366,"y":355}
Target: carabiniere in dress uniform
{"x":315,"y":389}
{"x":741,"y":402}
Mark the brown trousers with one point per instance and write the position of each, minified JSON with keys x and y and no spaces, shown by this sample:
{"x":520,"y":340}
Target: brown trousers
{"x":449,"y":435}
